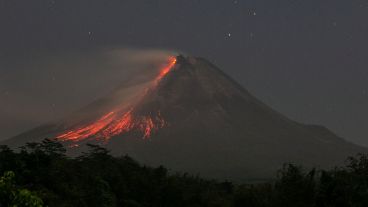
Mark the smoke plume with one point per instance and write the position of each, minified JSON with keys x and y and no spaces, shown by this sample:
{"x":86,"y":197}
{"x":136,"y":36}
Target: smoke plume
{"x":52,"y":86}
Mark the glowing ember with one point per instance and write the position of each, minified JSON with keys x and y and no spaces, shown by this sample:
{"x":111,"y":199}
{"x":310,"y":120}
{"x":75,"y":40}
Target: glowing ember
{"x":116,"y":122}
{"x":166,"y":69}
{"x":89,"y":130}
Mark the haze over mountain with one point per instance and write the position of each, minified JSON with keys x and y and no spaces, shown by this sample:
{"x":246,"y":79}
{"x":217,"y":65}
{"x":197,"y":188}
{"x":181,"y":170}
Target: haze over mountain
{"x":192,"y":117}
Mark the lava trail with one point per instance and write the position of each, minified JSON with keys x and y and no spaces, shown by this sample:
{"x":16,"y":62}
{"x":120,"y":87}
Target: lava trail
{"x":119,"y":121}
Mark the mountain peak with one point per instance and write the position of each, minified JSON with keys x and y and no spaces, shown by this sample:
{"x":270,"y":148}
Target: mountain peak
{"x":181,"y":59}
{"x":195,"y":118}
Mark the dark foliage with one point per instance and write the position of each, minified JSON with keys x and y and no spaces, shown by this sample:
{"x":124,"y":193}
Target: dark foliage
{"x":97,"y":179}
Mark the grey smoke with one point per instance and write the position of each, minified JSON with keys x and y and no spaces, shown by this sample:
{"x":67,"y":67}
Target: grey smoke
{"x":51,"y":86}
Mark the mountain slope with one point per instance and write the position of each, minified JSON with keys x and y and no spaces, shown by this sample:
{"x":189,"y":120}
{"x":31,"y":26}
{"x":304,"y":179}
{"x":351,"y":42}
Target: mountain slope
{"x":192,"y":117}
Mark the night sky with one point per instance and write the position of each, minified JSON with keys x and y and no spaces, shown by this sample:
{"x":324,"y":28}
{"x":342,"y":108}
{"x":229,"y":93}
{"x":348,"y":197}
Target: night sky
{"x":308,"y":59}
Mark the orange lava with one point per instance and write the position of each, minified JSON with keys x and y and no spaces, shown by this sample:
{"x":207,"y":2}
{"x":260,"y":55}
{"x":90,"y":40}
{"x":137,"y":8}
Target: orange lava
{"x":166,"y":69}
{"x":116,"y":123}
{"x":87,"y":131}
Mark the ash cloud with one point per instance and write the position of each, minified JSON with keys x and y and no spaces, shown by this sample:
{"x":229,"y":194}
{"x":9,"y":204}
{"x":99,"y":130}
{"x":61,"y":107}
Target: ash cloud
{"x":42,"y":88}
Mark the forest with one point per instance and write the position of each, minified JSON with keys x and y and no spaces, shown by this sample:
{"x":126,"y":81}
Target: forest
{"x":41,"y":174}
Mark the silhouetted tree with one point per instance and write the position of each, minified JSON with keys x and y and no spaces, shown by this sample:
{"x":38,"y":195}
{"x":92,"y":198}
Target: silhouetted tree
{"x":11,"y":195}
{"x":96,"y":178}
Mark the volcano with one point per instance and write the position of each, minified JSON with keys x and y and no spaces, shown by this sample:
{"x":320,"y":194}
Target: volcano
{"x":192,"y":117}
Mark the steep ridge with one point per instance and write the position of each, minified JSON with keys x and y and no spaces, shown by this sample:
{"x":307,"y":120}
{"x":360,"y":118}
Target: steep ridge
{"x":192,"y":117}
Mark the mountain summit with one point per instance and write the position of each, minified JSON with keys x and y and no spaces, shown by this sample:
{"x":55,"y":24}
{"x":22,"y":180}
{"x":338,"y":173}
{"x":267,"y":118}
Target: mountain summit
{"x":194,"y":118}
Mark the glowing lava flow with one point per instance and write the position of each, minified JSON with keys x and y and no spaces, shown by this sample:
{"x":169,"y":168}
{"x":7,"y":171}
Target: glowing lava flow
{"x":87,"y":131}
{"x":116,"y":122}
{"x":165,"y":70}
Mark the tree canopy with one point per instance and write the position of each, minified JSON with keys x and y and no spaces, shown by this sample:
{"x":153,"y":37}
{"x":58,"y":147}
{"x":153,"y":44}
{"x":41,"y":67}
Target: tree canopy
{"x":41,"y":174}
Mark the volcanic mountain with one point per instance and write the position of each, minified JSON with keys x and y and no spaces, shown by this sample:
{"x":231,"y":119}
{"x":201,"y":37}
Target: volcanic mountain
{"x":192,"y":117}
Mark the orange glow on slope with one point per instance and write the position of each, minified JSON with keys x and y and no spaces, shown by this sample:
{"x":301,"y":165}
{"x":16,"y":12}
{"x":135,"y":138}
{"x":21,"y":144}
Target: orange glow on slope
{"x":121,"y":126}
{"x":166,"y":69}
{"x":115,"y":122}
{"x":89,"y":130}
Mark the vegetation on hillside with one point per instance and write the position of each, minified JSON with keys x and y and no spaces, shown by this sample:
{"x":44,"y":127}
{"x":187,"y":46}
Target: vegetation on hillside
{"x":40,"y":174}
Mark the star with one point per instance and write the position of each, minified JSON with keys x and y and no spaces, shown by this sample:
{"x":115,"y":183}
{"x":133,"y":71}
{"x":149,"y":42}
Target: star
{"x":90,"y":35}
{"x":252,"y":12}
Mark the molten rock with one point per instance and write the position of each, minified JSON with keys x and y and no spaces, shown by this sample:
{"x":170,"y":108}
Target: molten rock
{"x":192,"y":117}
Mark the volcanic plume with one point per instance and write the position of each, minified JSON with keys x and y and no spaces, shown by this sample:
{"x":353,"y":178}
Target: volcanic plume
{"x":119,"y":121}
{"x":194,"y":118}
